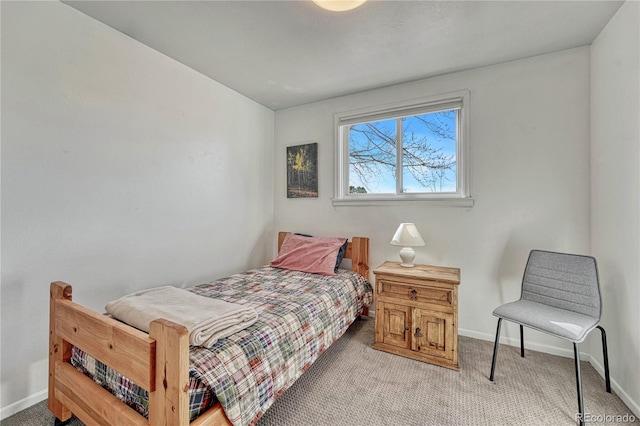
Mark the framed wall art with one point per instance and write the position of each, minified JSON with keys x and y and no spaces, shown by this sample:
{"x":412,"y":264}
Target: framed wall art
{"x":302,"y":171}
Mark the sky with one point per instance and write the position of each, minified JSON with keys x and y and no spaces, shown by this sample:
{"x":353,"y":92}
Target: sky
{"x":382,"y":180}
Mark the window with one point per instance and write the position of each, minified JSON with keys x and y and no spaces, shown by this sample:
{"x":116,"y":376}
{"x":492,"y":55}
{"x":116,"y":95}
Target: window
{"x":412,"y":151}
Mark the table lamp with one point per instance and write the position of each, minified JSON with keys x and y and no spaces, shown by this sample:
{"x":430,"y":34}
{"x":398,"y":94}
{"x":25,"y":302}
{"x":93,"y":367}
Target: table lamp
{"x":407,"y":236}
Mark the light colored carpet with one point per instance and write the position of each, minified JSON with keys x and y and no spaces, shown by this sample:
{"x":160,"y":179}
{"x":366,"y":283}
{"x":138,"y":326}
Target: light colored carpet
{"x":354,"y":384}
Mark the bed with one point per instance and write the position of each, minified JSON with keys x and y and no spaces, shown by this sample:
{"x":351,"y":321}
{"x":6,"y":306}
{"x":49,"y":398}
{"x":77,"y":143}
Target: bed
{"x":161,"y":362}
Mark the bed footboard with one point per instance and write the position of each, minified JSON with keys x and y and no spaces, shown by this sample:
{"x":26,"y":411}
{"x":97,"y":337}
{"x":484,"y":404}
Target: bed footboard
{"x":158,"y":362}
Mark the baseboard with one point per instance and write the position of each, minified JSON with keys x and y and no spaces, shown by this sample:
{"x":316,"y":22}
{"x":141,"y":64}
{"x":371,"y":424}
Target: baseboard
{"x":553,"y":350}
{"x":567,"y":353}
{"x":615,"y":387}
{"x":24,"y":403}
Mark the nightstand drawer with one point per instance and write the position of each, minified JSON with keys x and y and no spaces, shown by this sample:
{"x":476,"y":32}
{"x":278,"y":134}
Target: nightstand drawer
{"x":402,"y":291}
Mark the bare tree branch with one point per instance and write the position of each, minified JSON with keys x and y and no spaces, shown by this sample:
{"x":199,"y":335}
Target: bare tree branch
{"x":373,"y":150}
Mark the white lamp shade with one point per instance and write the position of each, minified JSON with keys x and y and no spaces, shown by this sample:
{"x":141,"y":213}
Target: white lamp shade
{"x":407,"y":235}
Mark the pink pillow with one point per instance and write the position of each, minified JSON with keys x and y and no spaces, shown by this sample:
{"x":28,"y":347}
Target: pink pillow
{"x":316,"y":255}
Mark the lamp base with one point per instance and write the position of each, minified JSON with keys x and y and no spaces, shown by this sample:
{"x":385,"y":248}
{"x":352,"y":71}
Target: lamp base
{"x":407,"y":255}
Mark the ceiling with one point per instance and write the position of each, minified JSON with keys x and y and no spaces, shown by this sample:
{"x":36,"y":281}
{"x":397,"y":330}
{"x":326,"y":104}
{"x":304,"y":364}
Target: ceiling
{"x":288,"y":53}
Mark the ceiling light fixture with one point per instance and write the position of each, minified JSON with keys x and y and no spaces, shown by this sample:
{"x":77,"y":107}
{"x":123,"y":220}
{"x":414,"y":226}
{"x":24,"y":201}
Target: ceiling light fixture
{"x":339,"y":5}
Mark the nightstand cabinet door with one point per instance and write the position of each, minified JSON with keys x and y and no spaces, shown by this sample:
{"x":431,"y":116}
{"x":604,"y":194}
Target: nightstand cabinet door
{"x":432,"y":333}
{"x":417,"y":312}
{"x":396,"y":320}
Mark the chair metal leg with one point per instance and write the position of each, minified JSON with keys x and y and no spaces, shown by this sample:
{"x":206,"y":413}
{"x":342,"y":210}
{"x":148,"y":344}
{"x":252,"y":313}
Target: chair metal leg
{"x":576,"y":354}
{"x":495,"y":350}
{"x":521,"y":341}
{"x":605,"y":354}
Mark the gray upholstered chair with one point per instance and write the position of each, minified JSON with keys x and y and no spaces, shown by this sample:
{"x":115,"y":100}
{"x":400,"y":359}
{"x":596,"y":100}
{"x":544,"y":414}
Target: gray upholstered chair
{"x":560,"y":296}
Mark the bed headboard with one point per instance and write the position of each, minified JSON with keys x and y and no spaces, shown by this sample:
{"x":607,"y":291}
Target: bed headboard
{"x":357,"y":251}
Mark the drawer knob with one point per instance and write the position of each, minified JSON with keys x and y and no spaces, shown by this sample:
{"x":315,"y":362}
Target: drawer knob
{"x":414,"y":294}
{"x":418,"y":332}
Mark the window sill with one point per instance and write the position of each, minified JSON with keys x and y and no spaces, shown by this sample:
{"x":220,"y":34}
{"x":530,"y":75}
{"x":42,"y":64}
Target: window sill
{"x":390,"y":201}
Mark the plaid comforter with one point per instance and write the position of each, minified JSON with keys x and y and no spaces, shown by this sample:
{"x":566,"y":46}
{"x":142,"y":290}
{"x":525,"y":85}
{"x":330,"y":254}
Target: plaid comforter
{"x":299,"y":316}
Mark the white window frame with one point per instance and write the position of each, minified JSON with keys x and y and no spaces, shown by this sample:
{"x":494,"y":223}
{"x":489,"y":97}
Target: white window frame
{"x":456,"y":100}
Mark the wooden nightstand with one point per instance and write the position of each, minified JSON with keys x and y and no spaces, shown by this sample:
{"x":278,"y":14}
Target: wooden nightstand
{"x":417,"y":312}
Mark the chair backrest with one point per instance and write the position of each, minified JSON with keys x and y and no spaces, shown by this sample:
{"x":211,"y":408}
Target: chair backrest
{"x":566,"y":281}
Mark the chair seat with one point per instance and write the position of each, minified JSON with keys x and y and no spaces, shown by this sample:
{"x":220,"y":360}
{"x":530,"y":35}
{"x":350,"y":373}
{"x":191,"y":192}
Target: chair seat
{"x":558,"y":322}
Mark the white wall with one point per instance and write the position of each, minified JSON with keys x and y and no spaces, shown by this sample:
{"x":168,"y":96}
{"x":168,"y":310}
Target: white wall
{"x":529,"y":138}
{"x":615,"y":194}
{"x":121,"y":169}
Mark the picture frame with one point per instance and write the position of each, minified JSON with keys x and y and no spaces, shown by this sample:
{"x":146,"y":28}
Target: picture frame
{"x":302,"y":171}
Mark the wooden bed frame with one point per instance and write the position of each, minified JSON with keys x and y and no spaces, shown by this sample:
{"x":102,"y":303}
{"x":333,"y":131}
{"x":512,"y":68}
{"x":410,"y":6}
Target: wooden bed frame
{"x":158,"y":361}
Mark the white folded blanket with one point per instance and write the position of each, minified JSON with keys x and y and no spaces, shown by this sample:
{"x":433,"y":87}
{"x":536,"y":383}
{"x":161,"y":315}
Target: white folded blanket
{"x":206,"y":319}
